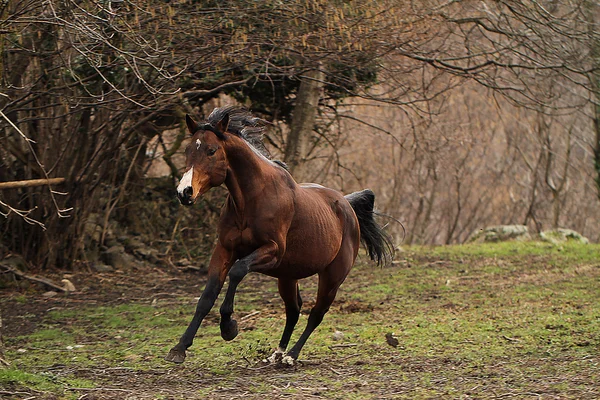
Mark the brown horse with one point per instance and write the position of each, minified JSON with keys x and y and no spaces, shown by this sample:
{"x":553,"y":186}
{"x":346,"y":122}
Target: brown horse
{"x":272,"y":225}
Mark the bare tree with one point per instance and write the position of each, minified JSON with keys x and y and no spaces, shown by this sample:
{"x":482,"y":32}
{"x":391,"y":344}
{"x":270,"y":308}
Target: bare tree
{"x":303,"y":119}
{"x":86,"y":85}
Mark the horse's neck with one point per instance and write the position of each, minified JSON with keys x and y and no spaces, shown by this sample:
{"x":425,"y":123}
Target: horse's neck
{"x":247,"y":174}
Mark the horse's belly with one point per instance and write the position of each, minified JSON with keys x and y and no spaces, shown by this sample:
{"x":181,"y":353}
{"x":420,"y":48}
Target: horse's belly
{"x":309,"y":253}
{"x":315,"y":235}
{"x":295,"y":269}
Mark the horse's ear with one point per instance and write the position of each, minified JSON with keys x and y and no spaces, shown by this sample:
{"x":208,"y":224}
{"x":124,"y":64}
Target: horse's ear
{"x":223,"y":124}
{"x":191,"y":124}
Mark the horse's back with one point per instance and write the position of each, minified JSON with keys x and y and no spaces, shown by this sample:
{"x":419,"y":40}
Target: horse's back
{"x":323,"y":205}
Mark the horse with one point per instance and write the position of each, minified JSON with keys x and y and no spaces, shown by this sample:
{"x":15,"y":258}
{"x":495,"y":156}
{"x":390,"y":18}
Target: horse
{"x":272,"y":225}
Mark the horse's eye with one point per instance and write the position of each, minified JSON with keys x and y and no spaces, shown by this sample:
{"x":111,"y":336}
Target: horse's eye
{"x":211,"y":151}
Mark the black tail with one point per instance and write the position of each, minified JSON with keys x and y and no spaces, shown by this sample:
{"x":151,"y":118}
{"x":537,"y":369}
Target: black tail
{"x":378,"y":243}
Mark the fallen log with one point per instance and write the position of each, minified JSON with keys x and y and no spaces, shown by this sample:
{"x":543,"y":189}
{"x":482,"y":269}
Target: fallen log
{"x":34,"y":278}
{"x":30,"y":183}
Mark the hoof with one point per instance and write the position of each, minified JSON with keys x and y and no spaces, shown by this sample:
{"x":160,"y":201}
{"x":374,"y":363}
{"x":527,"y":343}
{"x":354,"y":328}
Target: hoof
{"x":288,"y":361}
{"x":275,"y":357}
{"x":175,"y":355}
{"x":229,"y":330}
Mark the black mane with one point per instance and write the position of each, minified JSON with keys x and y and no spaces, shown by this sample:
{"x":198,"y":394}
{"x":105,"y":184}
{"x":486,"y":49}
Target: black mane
{"x":243,"y":124}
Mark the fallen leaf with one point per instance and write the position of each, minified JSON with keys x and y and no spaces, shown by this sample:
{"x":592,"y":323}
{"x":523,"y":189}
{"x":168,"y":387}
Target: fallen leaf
{"x":391,"y":339}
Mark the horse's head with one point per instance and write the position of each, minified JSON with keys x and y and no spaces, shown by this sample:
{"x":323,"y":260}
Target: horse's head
{"x":205,"y":161}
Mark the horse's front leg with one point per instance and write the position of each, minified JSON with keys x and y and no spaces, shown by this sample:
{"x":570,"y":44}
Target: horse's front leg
{"x":229,"y":327}
{"x":262,"y":259}
{"x":220,"y":264}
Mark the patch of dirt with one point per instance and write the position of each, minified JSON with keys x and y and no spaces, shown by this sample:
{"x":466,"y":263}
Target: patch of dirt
{"x":357,"y":371}
{"x":24,"y":308}
{"x":350,"y":307}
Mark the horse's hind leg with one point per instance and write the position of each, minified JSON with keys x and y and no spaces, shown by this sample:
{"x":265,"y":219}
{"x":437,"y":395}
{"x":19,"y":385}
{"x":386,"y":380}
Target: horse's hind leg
{"x":329,"y":282}
{"x":290,"y":294}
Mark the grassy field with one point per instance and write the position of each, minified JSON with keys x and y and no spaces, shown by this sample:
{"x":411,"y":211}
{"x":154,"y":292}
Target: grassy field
{"x":506,"y":321}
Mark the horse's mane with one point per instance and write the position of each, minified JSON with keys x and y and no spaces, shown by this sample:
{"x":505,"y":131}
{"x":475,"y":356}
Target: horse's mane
{"x":243,"y":124}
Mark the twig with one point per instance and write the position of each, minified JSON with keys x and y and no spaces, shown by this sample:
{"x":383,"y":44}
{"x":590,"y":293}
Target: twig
{"x":245,"y":317}
{"x":23,"y":214}
{"x":31,"y":183}
{"x":61,"y":212}
{"x":257,"y":368}
{"x":99,"y":389}
{"x":121,"y":192}
{"x":335,"y":372}
{"x":336,"y":346}
{"x":189,"y":268}
{"x":349,"y":356}
{"x":173,"y":233}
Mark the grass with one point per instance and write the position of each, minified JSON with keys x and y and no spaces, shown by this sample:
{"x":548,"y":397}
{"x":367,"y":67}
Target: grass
{"x":498,"y":320}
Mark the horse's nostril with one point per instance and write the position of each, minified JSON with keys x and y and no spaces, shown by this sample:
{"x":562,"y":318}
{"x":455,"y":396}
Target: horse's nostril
{"x":185,"y":196}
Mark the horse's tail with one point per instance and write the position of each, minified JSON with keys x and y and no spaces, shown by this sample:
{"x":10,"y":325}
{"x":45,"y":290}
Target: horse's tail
{"x":377,"y":242}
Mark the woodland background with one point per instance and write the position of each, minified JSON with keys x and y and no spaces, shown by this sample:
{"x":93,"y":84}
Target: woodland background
{"x":458,"y":114}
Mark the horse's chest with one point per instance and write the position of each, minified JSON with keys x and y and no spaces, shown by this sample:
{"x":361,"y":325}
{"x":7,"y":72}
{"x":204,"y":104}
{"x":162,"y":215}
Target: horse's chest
{"x":239,"y":240}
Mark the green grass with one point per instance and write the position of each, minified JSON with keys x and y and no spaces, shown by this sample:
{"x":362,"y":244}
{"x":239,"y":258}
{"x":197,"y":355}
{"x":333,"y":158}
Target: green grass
{"x":510,"y":319}
{"x":44,"y":382}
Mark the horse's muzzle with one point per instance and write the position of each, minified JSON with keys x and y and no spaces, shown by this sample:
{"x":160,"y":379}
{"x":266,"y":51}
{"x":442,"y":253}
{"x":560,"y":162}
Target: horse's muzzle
{"x":185,"y":196}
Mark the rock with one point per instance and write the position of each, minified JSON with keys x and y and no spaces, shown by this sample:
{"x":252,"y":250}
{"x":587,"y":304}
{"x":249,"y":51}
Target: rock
{"x":133,"y":243}
{"x":500,"y":233}
{"x":92,"y":252}
{"x":102,"y":267}
{"x":183,"y":262}
{"x":93,"y":228}
{"x":147,"y":253}
{"x":49,"y":294}
{"x":14,"y":261}
{"x":118,"y":258}
{"x":68,"y":285}
{"x":337,"y":335}
{"x":111,"y":241}
{"x":561,"y":235}
{"x":11,"y":262}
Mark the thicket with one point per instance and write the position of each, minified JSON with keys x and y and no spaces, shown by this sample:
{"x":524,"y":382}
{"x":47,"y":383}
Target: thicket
{"x":456,"y":114}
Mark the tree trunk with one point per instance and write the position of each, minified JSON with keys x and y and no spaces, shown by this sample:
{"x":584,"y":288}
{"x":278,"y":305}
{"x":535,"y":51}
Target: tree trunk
{"x":597,"y":131}
{"x":303,"y":120}
{"x":595,"y":77}
{"x":594,"y":44}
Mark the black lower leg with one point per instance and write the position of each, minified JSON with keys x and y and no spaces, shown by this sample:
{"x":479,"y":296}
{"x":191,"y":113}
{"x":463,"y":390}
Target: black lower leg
{"x":290,"y":294}
{"x":292,"y":313}
{"x":229,"y":328}
{"x":314,"y":319}
{"x":206,"y":302}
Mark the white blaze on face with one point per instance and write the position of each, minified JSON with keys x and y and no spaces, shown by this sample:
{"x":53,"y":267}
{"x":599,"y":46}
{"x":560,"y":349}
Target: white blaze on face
{"x":198,"y":144}
{"x":186,"y":180}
